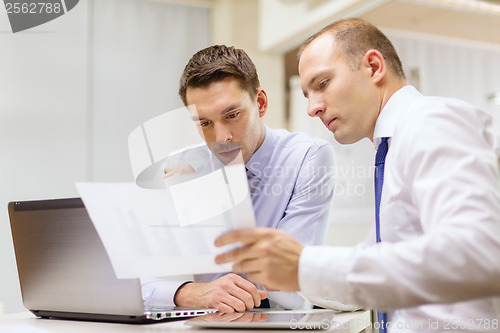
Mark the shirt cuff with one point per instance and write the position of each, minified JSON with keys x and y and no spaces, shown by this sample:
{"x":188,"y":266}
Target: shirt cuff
{"x":323,"y":274}
{"x":159,"y":292}
{"x":286,"y":300}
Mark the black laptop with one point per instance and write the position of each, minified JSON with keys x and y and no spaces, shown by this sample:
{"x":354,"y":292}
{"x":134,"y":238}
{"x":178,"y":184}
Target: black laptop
{"x":65,"y":272}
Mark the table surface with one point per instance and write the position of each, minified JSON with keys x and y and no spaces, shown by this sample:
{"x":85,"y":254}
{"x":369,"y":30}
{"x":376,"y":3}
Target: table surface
{"x":25,"y":322}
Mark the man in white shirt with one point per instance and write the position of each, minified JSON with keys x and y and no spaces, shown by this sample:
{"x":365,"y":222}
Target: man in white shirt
{"x":437,"y":267}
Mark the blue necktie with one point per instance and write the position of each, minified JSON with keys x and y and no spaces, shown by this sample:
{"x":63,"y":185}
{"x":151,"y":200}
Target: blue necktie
{"x":379,"y":183}
{"x":253,"y":184}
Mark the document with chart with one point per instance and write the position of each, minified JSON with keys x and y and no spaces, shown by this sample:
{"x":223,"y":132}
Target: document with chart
{"x":171,"y":231}
{"x":166,"y":227}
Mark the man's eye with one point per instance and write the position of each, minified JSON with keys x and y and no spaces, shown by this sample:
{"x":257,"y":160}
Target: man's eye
{"x":323,"y":84}
{"x":233,"y":115}
{"x":204,"y":123}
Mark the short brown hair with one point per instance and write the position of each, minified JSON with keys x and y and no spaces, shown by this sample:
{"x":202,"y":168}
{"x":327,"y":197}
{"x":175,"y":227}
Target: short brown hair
{"x":216,"y":63}
{"x":356,"y":37}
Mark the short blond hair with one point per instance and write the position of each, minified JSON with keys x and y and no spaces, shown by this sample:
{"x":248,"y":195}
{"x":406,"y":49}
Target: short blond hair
{"x":355,"y":37}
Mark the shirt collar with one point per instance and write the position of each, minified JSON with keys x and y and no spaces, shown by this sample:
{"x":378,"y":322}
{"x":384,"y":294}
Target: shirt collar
{"x":392,"y":112}
{"x":262,"y":156}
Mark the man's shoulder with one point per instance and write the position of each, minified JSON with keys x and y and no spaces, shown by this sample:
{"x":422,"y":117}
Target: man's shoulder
{"x":297,"y":147}
{"x":284,"y":138}
{"x":430,"y":106}
{"x":442,"y":118}
{"x":434,"y":110}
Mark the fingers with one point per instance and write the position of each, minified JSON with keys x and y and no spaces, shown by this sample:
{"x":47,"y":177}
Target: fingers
{"x":177,"y":170}
{"x":232,"y":304}
{"x":221,"y":294}
{"x":244,"y":236}
{"x":270,"y":257}
{"x":250,"y":288}
{"x":228,"y":294}
{"x":234,"y":293}
{"x":169,"y":172}
{"x":250,"y":265}
{"x":262,"y":294}
{"x":245,"y":291}
{"x":242,"y":300}
{"x":257,"y":242}
{"x":242,"y":253}
{"x":261,"y":278}
{"x":223,"y":300}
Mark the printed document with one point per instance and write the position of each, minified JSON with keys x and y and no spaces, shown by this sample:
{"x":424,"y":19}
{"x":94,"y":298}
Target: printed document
{"x":156,"y":227}
{"x":170,"y":231}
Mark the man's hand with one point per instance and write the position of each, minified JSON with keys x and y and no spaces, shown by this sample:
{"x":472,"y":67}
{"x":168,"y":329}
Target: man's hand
{"x":228,"y":293}
{"x":269,"y":256}
{"x":178,"y":170}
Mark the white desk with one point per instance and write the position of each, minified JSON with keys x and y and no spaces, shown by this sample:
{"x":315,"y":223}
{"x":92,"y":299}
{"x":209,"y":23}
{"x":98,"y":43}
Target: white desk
{"x":25,"y":322}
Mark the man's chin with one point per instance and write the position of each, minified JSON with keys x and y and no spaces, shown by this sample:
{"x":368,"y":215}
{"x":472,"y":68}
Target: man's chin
{"x":344,"y":140}
{"x":227,"y":153}
{"x":340,"y":138}
{"x":230,"y":157}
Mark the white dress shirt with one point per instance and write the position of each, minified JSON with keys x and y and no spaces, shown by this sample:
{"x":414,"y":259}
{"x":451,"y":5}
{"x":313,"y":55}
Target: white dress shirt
{"x":437,"y":268}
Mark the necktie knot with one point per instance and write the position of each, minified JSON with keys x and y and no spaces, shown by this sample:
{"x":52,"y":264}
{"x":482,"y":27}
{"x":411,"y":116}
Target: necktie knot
{"x":382,"y":149}
{"x":250,"y":174}
{"x":253,"y":183}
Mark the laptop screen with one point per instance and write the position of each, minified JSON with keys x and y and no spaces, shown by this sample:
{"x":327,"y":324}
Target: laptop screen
{"x":62,"y":263}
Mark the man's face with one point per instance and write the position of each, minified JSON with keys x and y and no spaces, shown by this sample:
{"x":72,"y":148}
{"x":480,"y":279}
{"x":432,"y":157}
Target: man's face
{"x":346,"y":100}
{"x":228,"y":118}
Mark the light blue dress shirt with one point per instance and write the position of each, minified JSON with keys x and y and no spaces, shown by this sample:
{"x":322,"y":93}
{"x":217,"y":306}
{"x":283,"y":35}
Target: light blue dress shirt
{"x":291,"y":180}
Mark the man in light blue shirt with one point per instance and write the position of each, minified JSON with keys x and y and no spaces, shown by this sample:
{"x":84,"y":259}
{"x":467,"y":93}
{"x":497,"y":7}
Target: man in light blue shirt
{"x":290,"y":174}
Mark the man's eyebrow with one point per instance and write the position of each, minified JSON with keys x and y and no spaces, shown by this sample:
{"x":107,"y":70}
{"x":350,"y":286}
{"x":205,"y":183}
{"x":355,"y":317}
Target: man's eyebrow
{"x":316,"y":77}
{"x":230,"y":108}
{"x":225,"y":111}
{"x":309,"y":84}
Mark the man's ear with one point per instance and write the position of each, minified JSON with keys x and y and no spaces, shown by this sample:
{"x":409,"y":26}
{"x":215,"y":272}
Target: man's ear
{"x":375,"y":62}
{"x":262,"y":101}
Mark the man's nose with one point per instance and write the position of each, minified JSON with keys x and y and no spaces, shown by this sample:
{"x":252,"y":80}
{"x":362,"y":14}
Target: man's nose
{"x":223,"y":134}
{"x":315,"y":107}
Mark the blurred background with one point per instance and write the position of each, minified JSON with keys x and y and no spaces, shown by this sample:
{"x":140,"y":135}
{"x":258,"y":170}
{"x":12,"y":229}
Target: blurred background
{"x":73,"y":89}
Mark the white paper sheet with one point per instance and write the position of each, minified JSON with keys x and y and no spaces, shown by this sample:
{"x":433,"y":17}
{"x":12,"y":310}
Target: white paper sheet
{"x":168,"y":232}
{"x":211,"y":203}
